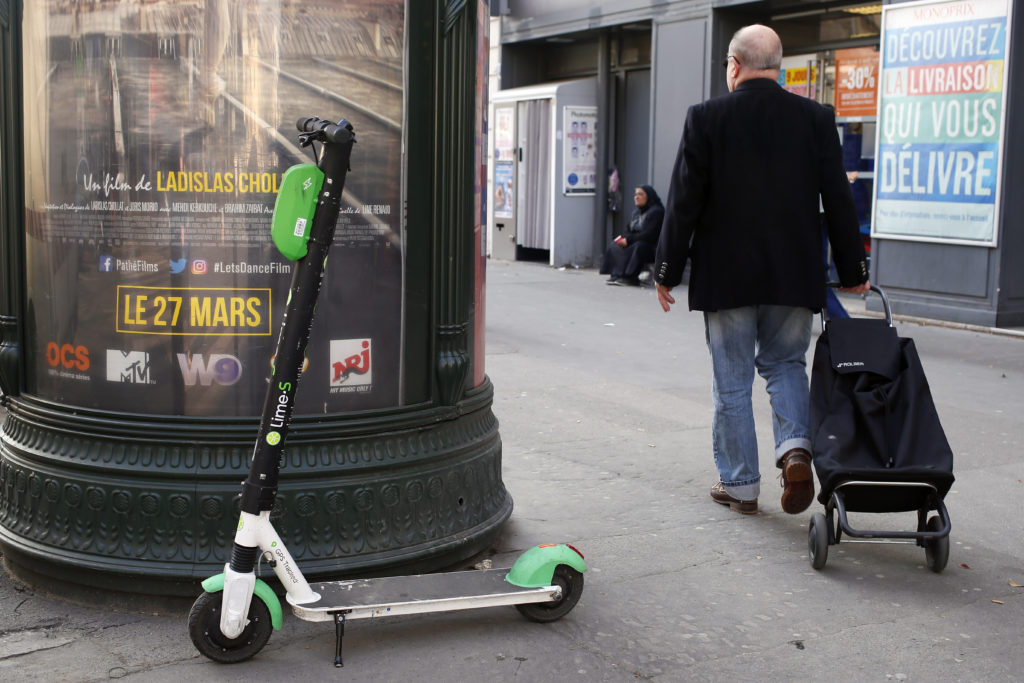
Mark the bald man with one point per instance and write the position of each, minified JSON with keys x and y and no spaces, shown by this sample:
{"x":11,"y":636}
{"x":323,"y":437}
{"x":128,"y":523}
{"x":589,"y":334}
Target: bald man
{"x":743,"y":209}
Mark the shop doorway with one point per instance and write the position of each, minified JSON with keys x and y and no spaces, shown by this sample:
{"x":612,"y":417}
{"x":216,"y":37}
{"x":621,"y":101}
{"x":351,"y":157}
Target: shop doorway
{"x":632,"y":140}
{"x":533,"y":181}
{"x":846,"y":81}
{"x":522,"y":180}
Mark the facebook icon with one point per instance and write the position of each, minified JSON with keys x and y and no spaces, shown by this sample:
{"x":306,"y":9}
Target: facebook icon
{"x":106,"y":263}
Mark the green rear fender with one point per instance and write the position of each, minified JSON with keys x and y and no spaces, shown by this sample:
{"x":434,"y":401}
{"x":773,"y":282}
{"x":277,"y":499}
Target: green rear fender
{"x":536,"y":567}
{"x":215,"y":584}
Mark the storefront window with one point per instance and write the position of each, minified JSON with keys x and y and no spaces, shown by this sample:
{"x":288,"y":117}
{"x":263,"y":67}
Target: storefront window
{"x":815,"y":28}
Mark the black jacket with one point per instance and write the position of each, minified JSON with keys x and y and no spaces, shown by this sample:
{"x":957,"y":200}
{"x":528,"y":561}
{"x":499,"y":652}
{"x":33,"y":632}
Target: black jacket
{"x":644,"y":226}
{"x":743,"y":202}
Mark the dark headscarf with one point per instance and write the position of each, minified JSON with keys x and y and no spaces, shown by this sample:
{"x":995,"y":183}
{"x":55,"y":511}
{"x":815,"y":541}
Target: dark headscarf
{"x":652,"y":198}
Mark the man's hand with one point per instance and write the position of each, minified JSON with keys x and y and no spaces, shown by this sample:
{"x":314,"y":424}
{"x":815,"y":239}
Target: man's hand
{"x":664,"y":297}
{"x":859,"y":289}
{"x":621,"y":241}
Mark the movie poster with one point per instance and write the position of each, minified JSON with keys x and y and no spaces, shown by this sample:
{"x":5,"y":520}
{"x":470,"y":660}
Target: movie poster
{"x":160,"y":134}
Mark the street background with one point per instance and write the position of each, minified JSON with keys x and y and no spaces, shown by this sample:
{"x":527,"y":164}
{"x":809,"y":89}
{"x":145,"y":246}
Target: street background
{"x":605,"y":410}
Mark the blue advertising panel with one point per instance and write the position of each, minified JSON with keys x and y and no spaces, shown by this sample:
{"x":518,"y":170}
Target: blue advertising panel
{"x":941,"y":121}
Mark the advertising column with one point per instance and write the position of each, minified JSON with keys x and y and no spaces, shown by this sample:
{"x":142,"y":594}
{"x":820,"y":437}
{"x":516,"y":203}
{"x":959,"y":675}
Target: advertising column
{"x":940,"y":128}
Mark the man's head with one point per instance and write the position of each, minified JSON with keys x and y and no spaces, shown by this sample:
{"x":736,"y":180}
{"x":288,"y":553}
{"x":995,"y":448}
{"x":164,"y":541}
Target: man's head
{"x":755,"y":51}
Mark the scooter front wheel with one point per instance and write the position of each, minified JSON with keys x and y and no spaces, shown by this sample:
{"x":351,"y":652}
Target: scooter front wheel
{"x":571,"y":582}
{"x":204,"y":629}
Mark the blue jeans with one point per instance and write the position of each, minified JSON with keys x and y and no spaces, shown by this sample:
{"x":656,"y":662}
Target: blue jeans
{"x":774,"y":340}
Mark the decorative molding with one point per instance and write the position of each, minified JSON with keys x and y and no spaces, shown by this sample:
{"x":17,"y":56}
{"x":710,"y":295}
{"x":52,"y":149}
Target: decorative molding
{"x":380,"y":500}
{"x":455,"y":97}
{"x":9,"y":355}
{"x":451,"y":13}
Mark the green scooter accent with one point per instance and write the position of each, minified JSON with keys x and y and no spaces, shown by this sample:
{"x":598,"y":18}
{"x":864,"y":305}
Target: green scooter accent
{"x":215,"y":584}
{"x":536,"y":567}
{"x":293,"y":211}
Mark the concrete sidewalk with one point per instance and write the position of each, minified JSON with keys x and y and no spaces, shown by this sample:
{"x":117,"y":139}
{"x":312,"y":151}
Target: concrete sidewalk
{"x":605,"y":413}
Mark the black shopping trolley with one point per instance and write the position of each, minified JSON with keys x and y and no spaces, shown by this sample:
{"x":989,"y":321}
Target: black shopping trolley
{"x":878,"y":445}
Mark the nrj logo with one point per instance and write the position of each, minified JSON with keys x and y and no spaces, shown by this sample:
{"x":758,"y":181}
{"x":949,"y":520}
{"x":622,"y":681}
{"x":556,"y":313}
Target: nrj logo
{"x":222,"y":368}
{"x":350,"y":362}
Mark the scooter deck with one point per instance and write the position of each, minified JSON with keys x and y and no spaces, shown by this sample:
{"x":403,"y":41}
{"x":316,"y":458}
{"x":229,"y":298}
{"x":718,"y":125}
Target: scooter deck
{"x":418,"y":594}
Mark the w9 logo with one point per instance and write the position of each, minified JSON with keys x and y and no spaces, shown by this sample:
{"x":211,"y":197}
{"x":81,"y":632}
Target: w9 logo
{"x":222,"y":368}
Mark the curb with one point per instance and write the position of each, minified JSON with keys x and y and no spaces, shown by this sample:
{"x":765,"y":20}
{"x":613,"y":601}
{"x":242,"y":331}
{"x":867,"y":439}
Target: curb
{"x":931,"y":322}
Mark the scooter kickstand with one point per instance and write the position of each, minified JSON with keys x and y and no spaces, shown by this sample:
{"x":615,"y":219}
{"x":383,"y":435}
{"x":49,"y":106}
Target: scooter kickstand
{"x":339,"y":633}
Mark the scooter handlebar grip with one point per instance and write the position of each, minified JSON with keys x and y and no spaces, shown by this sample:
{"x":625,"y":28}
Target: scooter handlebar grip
{"x":334,"y":132}
{"x":307,"y":124}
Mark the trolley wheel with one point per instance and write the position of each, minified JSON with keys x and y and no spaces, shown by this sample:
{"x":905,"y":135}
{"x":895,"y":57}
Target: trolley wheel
{"x":204,"y":629}
{"x":817,"y":540}
{"x":571,"y":582}
{"x":936,"y":550}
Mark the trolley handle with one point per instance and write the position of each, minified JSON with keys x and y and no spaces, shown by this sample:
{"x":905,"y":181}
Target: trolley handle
{"x":876,"y":290}
{"x":314,"y":128}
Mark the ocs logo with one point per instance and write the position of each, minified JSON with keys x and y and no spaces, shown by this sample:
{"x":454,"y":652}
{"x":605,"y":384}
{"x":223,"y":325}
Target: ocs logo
{"x":222,"y":368}
{"x":67,"y":356}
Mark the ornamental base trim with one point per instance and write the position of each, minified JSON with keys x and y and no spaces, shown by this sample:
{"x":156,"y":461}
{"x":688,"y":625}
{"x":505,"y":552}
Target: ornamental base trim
{"x":115,"y":500}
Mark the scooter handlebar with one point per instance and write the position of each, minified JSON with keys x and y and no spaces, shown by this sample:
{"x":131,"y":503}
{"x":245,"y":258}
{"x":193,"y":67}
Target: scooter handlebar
{"x":336,"y":133}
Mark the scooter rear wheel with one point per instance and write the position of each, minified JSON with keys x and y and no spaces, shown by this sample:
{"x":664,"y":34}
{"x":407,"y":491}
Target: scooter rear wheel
{"x":571,"y":582}
{"x":204,"y":629}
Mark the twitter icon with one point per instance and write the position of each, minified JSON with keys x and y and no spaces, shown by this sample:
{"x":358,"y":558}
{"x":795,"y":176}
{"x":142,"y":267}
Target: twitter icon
{"x":179,"y":265}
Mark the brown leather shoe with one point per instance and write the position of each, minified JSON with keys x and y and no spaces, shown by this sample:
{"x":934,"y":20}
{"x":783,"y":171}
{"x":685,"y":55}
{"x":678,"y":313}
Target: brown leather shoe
{"x":744,"y":507}
{"x":797,"y":481}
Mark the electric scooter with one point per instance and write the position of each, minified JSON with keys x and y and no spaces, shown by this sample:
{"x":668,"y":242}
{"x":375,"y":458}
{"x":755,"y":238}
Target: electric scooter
{"x":235,"y":615}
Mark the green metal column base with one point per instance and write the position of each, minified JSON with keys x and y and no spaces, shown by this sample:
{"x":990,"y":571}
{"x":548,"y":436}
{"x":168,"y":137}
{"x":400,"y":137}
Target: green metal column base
{"x":150,"y":504}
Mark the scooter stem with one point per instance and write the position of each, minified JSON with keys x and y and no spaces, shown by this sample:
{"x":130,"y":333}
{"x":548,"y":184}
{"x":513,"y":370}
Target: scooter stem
{"x":260,"y":488}
{"x":255,"y":533}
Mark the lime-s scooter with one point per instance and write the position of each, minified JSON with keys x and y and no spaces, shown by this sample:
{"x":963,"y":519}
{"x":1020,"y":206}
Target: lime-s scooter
{"x":233,"y":618}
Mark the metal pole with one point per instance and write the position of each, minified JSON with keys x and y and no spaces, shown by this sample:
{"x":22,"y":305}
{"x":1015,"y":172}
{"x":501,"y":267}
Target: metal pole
{"x":601,"y":235}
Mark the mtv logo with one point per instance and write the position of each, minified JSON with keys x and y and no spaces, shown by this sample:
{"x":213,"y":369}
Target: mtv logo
{"x":222,"y":368}
{"x":130,"y":367}
{"x":350,"y":362}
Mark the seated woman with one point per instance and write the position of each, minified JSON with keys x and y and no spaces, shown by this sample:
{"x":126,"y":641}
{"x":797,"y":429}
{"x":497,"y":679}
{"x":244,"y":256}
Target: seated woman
{"x":630,"y":252}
